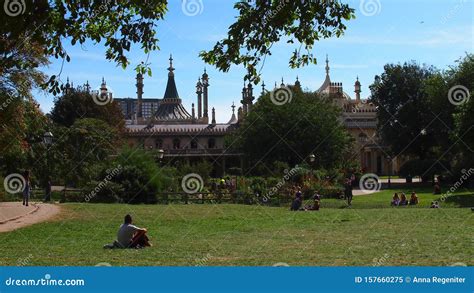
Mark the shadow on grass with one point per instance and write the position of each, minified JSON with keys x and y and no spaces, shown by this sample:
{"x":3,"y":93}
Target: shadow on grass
{"x":463,"y":201}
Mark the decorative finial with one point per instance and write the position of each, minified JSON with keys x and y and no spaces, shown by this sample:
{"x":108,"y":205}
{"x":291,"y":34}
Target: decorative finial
{"x":171,"y":69}
{"x":263,"y":87}
{"x":327,"y":65}
{"x":233,"y":107}
{"x":282,"y":82}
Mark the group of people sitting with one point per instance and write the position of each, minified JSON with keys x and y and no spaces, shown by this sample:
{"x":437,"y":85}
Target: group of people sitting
{"x":403,"y":201}
{"x":297,"y":204}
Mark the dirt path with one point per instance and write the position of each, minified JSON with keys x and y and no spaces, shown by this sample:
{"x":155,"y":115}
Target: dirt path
{"x":13,"y":215}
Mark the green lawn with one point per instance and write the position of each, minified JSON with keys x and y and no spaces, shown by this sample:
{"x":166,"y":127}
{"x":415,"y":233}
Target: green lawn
{"x":252,"y":235}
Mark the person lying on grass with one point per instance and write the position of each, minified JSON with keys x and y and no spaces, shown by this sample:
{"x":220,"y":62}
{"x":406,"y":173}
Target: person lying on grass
{"x":130,"y":236}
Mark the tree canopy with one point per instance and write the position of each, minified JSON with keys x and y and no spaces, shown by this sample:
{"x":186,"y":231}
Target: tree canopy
{"x":263,"y":23}
{"x":292,"y":131}
{"x":47,"y":25}
{"x":405,"y":116}
{"x":79,"y":104}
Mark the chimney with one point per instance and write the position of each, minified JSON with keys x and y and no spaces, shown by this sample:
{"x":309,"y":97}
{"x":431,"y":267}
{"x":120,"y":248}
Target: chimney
{"x":199,"y":97}
{"x":250,"y":97}
{"x":244,"y":99}
{"x":213,"y":122}
{"x":139,"y":95}
{"x":205,"y":82}
{"x":193,"y":112}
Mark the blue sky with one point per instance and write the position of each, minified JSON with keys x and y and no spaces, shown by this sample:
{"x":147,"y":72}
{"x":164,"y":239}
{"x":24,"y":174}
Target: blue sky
{"x":435,"y":32}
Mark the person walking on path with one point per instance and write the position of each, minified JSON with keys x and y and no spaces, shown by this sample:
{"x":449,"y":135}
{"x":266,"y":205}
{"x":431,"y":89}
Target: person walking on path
{"x":27,"y":188}
{"x":348,"y":191}
{"x":47,"y":197}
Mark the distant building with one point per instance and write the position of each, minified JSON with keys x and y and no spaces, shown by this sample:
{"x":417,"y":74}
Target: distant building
{"x":165,"y":124}
{"x":360,"y":120}
{"x":129,"y":107}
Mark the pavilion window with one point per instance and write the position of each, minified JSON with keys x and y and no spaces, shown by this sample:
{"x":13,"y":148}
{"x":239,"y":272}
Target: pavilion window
{"x":159,"y":144}
{"x":176,"y":144}
{"x":363,"y":138}
{"x":211,"y":143}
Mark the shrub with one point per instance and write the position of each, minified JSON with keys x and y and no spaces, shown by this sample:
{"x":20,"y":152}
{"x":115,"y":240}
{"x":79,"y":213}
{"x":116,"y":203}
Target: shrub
{"x":133,"y":177}
{"x":424,"y":168}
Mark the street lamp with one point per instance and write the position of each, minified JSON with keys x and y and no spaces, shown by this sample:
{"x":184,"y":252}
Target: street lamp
{"x":312,"y":159}
{"x":48,"y":141}
{"x":48,"y":138}
{"x":389,"y":159}
{"x":161,"y":154}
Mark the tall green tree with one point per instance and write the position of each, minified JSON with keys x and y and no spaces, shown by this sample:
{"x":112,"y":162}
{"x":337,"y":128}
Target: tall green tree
{"x":80,"y":151}
{"x":79,"y":104}
{"x":406,"y":120}
{"x":463,"y":135}
{"x":292,"y":131}
{"x":118,"y":24}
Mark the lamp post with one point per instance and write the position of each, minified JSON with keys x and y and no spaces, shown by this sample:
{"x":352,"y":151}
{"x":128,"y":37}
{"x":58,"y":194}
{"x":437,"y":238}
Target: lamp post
{"x":389,"y":159}
{"x":312,"y":159}
{"x":48,"y":141}
{"x":161,"y":154}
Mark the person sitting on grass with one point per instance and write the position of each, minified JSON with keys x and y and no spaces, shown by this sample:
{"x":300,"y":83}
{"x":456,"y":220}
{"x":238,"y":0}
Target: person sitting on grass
{"x":130,"y":236}
{"x":413,"y":199}
{"x":314,"y":207}
{"x":437,"y":188}
{"x":434,"y":205}
{"x":403,"y":200}
{"x":298,"y":201}
{"x":395,"y":200}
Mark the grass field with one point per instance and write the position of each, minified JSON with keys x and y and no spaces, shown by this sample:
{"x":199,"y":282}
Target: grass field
{"x":370,"y":233}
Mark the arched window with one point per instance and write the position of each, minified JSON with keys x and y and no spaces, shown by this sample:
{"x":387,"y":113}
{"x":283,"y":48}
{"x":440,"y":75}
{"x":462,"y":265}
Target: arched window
{"x":363,"y":138}
{"x":176,"y":144}
{"x":211,"y":143}
{"x":159,"y":143}
{"x":194,"y":144}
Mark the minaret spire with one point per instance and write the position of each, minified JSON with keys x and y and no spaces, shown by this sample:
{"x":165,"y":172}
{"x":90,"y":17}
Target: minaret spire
{"x":171,"y":68}
{"x":327,"y":65}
